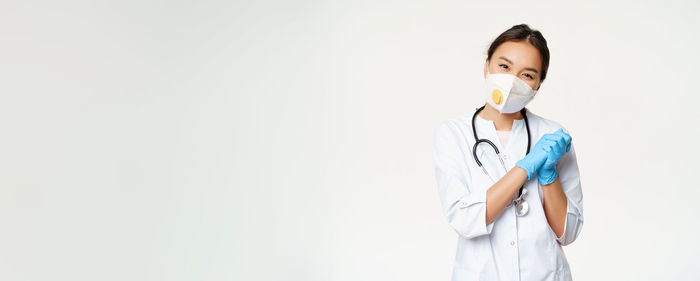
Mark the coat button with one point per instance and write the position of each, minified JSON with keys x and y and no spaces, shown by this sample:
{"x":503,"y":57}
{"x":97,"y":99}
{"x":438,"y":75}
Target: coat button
{"x":512,"y":243}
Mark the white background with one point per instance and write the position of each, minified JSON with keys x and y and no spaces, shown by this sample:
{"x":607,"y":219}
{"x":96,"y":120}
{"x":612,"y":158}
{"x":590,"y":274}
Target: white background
{"x":292,"y":140}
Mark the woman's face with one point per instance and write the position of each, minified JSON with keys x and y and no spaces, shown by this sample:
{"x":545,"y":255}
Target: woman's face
{"x":517,"y":58}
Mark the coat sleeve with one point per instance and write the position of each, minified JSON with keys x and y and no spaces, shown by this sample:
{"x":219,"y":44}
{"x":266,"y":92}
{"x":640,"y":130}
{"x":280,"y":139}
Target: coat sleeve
{"x":567,"y":167}
{"x":463,"y":206}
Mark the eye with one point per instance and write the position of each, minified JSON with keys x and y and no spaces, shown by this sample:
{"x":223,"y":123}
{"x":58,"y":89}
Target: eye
{"x":529,"y":76}
{"x":503,"y":66}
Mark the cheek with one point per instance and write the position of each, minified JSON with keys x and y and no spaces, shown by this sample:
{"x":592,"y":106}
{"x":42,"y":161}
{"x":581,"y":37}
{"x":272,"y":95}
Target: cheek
{"x":533,"y":84}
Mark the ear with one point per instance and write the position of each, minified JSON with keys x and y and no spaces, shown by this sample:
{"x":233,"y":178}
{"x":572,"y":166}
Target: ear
{"x":486,"y":65}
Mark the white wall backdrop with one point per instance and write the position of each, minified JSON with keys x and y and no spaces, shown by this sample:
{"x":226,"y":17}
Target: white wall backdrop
{"x":291,"y":140}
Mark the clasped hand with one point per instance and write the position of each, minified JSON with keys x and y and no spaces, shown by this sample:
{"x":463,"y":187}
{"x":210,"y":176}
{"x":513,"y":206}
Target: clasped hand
{"x":545,"y":155}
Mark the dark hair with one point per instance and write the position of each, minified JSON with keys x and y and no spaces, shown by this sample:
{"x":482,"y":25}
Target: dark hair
{"x":522,"y":32}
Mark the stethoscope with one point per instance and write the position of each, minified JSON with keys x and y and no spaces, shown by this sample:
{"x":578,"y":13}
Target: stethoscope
{"x":521,"y":206}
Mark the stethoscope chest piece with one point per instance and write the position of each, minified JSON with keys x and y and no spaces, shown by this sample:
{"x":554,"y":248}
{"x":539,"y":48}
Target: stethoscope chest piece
{"x":521,"y":208}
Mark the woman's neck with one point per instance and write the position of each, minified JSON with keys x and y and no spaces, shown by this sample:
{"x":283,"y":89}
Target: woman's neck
{"x":502,"y":121}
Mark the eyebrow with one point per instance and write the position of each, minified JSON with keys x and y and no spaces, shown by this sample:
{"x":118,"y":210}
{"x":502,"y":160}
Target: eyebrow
{"x":527,"y":68}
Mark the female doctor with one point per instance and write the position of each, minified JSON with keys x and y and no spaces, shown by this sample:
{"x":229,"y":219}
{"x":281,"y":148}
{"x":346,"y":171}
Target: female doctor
{"x":513,"y":211}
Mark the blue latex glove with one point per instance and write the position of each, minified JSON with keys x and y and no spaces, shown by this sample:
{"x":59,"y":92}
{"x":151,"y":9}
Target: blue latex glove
{"x":537,"y":156}
{"x":548,"y":172}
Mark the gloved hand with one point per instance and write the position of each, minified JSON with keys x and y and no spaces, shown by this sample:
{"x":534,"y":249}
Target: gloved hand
{"x":537,"y":156}
{"x":548,"y":172}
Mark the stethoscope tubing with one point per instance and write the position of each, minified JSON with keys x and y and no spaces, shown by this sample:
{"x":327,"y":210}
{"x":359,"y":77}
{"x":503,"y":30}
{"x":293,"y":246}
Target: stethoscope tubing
{"x":479,"y":141}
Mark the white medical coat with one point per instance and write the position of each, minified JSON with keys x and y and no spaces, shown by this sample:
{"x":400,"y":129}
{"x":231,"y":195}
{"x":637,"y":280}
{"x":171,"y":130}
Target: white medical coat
{"x":511,"y":247}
